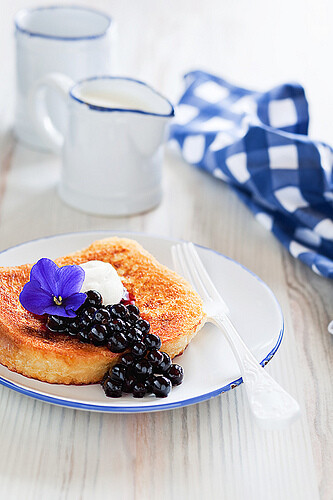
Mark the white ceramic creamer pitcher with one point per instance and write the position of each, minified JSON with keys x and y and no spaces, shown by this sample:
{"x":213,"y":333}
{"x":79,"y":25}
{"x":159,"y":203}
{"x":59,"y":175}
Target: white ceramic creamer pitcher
{"x":79,"y":42}
{"x":112,"y":148}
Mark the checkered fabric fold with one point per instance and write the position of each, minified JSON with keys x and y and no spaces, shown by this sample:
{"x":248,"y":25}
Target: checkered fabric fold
{"x":257,"y":142}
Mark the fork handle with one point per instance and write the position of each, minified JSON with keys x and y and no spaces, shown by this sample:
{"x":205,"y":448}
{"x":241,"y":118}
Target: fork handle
{"x":271,"y":405}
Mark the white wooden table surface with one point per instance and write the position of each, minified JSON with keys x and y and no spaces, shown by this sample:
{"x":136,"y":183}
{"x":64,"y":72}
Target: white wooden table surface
{"x":211,"y":450}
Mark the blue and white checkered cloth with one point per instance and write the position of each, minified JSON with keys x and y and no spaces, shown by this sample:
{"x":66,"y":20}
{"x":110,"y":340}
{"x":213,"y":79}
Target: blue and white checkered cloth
{"x":257,"y":142}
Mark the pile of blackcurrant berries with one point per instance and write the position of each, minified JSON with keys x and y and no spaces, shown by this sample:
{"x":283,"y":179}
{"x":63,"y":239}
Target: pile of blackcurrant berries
{"x":143,"y":368}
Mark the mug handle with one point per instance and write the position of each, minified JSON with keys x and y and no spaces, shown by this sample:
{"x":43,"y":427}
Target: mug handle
{"x":38,"y":108}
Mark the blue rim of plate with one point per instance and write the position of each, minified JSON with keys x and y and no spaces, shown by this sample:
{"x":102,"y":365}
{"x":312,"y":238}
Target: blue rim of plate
{"x":106,"y":109}
{"x":142,"y":409}
{"x":62,"y":38}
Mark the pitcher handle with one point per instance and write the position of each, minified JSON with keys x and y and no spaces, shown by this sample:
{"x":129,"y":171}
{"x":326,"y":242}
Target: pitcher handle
{"x":38,"y":107}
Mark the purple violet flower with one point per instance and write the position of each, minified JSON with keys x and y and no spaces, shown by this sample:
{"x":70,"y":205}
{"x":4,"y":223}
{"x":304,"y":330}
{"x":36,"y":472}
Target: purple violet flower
{"x":53,"y":290}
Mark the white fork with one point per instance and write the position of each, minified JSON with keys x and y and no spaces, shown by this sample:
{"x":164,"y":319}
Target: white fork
{"x":271,"y":405}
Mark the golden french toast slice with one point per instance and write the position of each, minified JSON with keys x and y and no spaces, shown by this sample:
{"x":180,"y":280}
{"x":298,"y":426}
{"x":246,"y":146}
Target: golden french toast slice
{"x":172,"y":307}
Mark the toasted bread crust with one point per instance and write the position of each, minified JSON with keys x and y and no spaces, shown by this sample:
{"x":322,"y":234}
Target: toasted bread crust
{"x":165,"y":299}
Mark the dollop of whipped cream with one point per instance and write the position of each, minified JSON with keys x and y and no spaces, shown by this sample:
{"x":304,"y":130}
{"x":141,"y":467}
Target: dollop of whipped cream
{"x":103,"y":277}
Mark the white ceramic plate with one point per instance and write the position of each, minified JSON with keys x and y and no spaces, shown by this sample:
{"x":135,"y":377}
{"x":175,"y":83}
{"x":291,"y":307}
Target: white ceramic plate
{"x":208,"y":362}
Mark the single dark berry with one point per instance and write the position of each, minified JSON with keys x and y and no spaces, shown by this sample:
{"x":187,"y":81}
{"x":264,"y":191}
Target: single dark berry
{"x":139,"y":336}
{"x":143,"y":369}
{"x":129,"y":382}
{"x":149,"y":383}
{"x":161,"y":387}
{"x":119,"y":324}
{"x":72,"y":331}
{"x":102,"y":316}
{"x":89,"y":313}
{"x":124,"y":314}
{"x":74,"y":325}
{"x":155,"y":358}
{"x":138,"y":349}
{"x":134,"y":335}
{"x":127,"y":359}
{"x":133,"y":318}
{"x":118,"y":373}
{"x":94,"y":298}
{"x":117,"y":342}
{"x":139,"y":390}
{"x":83,"y":335}
{"x":152,"y":341}
{"x":112,"y":388}
{"x":111,"y":329}
{"x":165,"y":364}
{"x":84,"y":322}
{"x":143,"y":325}
{"x":118,"y":311}
{"x":175,"y":374}
{"x":56,"y":324}
{"x":131,"y":308}
{"x":109,"y":307}
{"x":97,"y":334}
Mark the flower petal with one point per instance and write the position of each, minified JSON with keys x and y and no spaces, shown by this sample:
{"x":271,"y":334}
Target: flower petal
{"x":70,"y":313}
{"x":44,"y":271}
{"x":69,"y":280}
{"x":73,"y":302}
{"x":56,"y":310}
{"x":68,"y":307}
{"x":34,"y":298}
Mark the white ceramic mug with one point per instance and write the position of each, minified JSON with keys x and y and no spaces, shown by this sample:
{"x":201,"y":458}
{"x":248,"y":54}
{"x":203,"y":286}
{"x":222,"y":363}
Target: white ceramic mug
{"x":113,"y":145}
{"x":76,"y":41}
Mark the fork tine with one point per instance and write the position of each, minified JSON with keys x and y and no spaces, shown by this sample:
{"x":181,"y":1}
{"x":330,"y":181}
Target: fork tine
{"x":204,"y":276}
{"x":196,"y":278}
{"x":185,"y":265}
{"x":206,"y":283}
{"x":176,"y":260}
{"x":182,"y":265}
